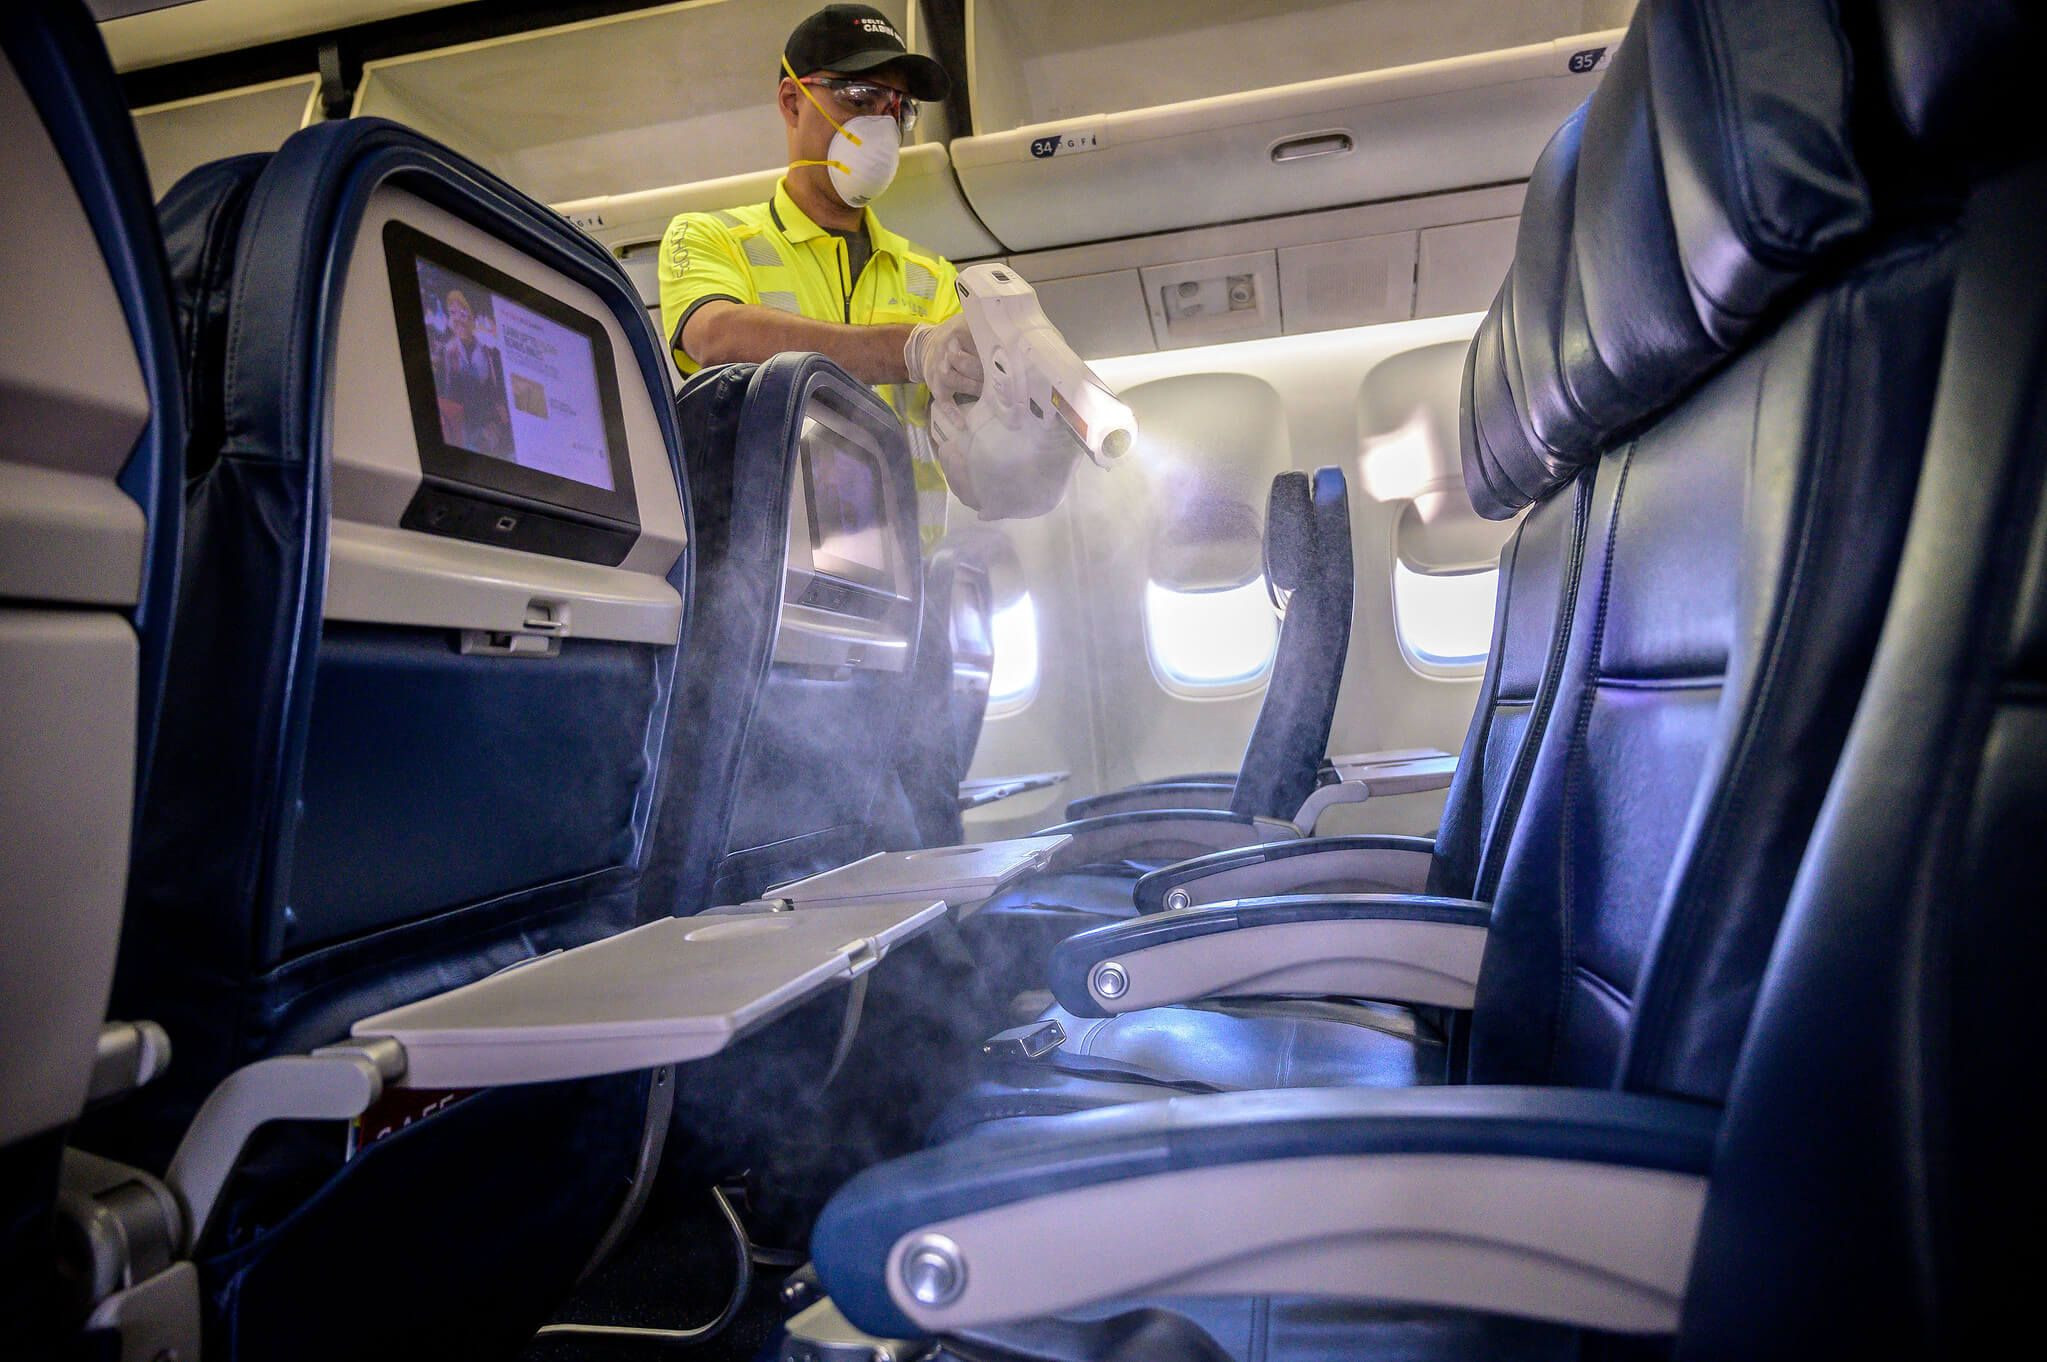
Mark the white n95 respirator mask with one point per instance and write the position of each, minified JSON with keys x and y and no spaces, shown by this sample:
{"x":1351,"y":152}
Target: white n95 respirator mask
{"x":864,"y":152}
{"x":863,"y":158}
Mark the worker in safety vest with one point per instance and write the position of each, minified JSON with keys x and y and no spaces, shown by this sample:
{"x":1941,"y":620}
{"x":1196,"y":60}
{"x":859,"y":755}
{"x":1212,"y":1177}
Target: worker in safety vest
{"x":813,"y":268}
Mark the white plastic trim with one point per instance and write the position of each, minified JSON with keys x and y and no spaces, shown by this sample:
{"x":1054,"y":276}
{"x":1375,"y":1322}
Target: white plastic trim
{"x":1364,"y":779}
{"x":1376,"y":870}
{"x":1574,"y":1242}
{"x":68,"y":537}
{"x":669,"y":992}
{"x":384,"y":575}
{"x":375,"y":456}
{"x":67,"y":748}
{"x":965,"y":876}
{"x":1433,"y":126}
{"x":336,"y":1085}
{"x":157,"y":1318}
{"x":1432,"y":964}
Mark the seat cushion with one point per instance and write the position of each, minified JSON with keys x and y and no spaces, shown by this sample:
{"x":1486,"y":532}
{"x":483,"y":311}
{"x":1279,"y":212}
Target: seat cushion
{"x":1242,"y":1046}
{"x":1285,"y":1329}
{"x":1103,"y":890}
{"x":1013,"y":933}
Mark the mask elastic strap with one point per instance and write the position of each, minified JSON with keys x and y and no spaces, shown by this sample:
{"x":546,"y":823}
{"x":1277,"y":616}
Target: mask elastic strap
{"x":819,"y":106}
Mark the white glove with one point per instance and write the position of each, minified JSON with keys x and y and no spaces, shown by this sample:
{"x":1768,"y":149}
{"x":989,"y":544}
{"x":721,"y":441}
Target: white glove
{"x":942,"y":356}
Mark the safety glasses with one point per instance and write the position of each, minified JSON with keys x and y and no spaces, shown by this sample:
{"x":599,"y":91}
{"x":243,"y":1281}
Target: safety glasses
{"x":865,"y":99}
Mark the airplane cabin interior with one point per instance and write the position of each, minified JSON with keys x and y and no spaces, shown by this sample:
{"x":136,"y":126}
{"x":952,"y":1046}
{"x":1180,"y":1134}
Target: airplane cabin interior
{"x":1434,"y":761}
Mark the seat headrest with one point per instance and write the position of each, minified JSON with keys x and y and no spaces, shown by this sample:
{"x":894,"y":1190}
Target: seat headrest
{"x":1289,"y":531}
{"x":1958,"y":76}
{"x":734,"y":416}
{"x":1307,"y":529}
{"x":1666,"y":222}
{"x":201,"y":216}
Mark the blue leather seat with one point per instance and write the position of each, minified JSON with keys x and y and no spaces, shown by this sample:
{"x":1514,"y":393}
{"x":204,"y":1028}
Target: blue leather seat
{"x":359,"y":799}
{"x":1311,"y":574}
{"x":91,"y":432}
{"x":782,"y":772}
{"x":972,"y":639}
{"x":953,"y":667}
{"x":1309,"y":567}
{"x":1873,"y":1172}
{"x":1261,"y":1043}
{"x":785,"y":768}
{"x":1705,"y":681}
{"x":1730,"y":311}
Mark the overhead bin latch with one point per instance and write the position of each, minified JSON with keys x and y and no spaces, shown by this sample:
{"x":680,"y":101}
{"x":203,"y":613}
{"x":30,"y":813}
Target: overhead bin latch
{"x":1332,"y":143}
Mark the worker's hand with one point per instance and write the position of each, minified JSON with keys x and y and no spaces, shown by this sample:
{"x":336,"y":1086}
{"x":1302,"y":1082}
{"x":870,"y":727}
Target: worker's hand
{"x":942,"y":356}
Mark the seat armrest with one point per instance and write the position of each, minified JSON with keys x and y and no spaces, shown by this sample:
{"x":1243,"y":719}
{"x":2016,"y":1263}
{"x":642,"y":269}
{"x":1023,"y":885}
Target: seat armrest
{"x":1161,"y":835}
{"x":981,"y":792}
{"x":1343,"y":765}
{"x":1403,"y":948}
{"x":1197,"y":777}
{"x":1363,"y":863}
{"x":1157,"y":794}
{"x":1574,"y":1205}
{"x":1360,"y":779}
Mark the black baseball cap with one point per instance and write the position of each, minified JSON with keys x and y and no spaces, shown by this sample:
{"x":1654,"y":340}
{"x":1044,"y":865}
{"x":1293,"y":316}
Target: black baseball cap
{"x":856,"y":38}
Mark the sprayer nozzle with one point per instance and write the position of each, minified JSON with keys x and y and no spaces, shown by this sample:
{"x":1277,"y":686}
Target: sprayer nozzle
{"x":1115,"y":444}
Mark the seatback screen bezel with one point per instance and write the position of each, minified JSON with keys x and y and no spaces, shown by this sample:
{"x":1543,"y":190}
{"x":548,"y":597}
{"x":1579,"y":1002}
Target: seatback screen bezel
{"x":885,"y":581}
{"x":502,"y":479}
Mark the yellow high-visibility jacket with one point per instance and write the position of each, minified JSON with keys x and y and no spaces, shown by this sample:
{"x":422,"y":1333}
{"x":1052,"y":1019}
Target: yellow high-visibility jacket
{"x":772,"y":255}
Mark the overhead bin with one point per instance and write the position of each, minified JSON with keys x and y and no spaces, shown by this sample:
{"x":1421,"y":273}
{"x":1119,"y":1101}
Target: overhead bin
{"x":627,"y":120}
{"x":187,"y":133}
{"x":924,"y":204}
{"x":1095,"y":122}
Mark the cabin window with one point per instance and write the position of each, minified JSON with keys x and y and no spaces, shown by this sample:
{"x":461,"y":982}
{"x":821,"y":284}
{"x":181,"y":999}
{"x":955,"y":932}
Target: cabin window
{"x":1444,"y":619}
{"x":1013,"y":680}
{"x":1210,"y":644}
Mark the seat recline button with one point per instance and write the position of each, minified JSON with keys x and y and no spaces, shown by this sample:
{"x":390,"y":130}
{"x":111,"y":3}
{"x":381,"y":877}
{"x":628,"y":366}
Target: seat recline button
{"x":933,"y":1271}
{"x":1110,"y":980}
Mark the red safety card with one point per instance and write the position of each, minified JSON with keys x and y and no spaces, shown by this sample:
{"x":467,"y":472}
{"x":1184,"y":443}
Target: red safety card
{"x":397,"y":1109}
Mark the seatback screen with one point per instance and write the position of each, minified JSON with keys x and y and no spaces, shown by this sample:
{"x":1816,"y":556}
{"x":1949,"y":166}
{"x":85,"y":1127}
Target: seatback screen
{"x":849,"y":526}
{"x":510,"y":383}
{"x":514,"y":391}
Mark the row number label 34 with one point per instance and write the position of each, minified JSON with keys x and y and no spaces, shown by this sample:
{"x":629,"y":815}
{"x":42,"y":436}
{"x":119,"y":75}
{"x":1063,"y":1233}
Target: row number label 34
{"x":1065,"y":143}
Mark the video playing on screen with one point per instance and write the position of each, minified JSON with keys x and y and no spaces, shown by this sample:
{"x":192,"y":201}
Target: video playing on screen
{"x":512,"y":384}
{"x":848,"y":535}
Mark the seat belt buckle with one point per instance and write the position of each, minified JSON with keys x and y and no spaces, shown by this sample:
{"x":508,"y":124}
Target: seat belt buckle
{"x":1033,"y":1040}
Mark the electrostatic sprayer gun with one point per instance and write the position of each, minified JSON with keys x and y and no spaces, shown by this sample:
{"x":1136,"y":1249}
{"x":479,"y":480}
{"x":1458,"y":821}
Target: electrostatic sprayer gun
{"x":1040,"y":405}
